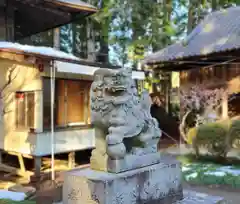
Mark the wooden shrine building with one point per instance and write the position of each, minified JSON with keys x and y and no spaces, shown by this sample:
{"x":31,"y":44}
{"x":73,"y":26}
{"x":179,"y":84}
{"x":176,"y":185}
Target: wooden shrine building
{"x":25,"y":81}
{"x":209,"y":55}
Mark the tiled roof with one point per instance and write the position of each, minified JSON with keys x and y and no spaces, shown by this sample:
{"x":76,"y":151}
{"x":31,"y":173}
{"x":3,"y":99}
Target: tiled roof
{"x":218,"y":32}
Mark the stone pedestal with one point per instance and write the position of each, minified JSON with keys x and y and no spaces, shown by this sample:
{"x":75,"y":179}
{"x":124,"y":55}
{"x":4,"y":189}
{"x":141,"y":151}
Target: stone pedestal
{"x":156,"y":184}
{"x":159,"y":183}
{"x":125,"y":167}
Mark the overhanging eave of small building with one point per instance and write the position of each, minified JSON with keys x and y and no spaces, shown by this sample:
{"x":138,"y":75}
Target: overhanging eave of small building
{"x":33,"y":17}
{"x":195,"y":62}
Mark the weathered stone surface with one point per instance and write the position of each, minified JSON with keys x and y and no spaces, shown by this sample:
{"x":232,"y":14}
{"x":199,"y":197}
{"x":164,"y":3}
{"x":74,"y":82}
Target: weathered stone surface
{"x":159,"y":183}
{"x":133,"y":162}
{"x":122,"y":119}
{"x":191,"y":197}
{"x":142,"y":157}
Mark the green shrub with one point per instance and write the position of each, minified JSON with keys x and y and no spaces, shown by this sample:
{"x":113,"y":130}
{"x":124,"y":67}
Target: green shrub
{"x":218,"y":137}
{"x":234,"y":132}
{"x":213,"y":137}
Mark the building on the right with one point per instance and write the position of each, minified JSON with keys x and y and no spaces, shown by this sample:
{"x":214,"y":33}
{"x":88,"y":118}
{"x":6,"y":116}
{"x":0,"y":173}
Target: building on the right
{"x":207,"y":59}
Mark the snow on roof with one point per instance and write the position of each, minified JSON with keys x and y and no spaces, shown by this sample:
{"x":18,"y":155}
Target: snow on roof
{"x":37,"y":50}
{"x":78,"y":3}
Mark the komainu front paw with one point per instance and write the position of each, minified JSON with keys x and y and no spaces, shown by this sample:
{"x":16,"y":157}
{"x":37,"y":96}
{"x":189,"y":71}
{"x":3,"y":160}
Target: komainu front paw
{"x":113,"y":139}
{"x":116,"y":151}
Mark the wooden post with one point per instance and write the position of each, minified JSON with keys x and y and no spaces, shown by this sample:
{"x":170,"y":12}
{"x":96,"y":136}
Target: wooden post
{"x":56,"y":38}
{"x":1,"y":156}
{"x":9,"y":22}
{"x":37,"y":166}
{"x":21,"y":163}
{"x":71,"y":160}
{"x":225,"y":106}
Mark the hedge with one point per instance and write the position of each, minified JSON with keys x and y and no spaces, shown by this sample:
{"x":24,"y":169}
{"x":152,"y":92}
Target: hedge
{"x":234,"y":132}
{"x":218,"y":137}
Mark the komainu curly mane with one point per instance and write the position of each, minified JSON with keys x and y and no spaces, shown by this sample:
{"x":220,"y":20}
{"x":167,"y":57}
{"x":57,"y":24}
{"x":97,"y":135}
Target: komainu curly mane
{"x":120,"y":114}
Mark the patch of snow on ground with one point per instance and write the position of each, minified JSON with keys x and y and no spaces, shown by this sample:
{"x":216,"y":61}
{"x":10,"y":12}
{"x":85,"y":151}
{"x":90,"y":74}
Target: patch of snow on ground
{"x":230,"y":170}
{"x":15,"y":196}
{"x":46,"y":51}
{"x":185,"y":168}
{"x":216,"y":173}
{"x":191,"y":176}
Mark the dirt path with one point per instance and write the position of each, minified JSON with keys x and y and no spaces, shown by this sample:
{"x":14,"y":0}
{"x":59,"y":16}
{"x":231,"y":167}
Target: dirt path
{"x":230,"y":195}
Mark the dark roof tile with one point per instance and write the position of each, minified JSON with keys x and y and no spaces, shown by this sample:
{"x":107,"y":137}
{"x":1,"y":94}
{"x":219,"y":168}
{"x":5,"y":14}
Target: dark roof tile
{"x":218,"y":32}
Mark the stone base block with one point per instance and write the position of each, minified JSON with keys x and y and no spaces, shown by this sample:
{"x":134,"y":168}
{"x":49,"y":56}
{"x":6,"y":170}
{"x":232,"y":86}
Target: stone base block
{"x":130,"y":162}
{"x":191,"y":197}
{"x":136,"y":158}
{"x":156,"y":184}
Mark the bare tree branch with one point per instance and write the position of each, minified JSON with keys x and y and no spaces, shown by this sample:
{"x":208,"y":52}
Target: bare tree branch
{"x":10,"y":78}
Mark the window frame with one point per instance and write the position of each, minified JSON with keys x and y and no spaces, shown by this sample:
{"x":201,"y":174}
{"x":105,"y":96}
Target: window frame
{"x":26,"y":125}
{"x":68,"y":125}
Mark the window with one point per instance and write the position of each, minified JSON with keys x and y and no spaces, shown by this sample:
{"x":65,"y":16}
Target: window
{"x":71,"y":102}
{"x":25,"y":110}
{"x":2,"y":24}
{"x":218,"y":72}
{"x":40,"y":39}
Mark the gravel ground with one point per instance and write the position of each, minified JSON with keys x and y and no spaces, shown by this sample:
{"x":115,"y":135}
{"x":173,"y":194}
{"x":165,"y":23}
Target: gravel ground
{"x":49,"y":192}
{"x":229,"y":194}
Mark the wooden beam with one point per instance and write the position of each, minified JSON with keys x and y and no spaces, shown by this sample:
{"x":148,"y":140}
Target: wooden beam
{"x":15,"y":171}
{"x":41,"y":7}
{"x":71,"y":160}
{"x":17,"y":154}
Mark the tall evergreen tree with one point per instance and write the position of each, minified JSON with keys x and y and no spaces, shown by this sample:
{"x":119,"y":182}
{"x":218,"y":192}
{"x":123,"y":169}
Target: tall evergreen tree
{"x":66,"y":41}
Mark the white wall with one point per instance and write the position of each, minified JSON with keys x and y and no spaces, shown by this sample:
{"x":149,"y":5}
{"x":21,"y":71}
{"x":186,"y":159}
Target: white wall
{"x":25,"y":78}
{"x":29,"y":79}
{"x":65,"y":141}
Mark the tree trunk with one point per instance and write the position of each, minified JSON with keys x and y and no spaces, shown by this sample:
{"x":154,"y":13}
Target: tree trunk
{"x":214,"y":5}
{"x":190,"y":17}
{"x":91,"y":56}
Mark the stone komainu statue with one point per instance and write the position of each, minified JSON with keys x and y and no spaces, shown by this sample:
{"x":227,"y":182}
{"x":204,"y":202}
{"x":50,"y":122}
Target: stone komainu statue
{"x":121,"y":118}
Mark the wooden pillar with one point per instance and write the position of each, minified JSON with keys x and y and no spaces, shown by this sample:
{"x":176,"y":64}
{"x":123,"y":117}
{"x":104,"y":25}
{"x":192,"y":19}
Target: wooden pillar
{"x":225,"y":95}
{"x":71,"y":160}
{"x":56,"y":38}
{"x":9,"y":17}
{"x":21,"y":163}
{"x":225,"y":106}
{"x":37,"y":166}
{"x":1,"y":156}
